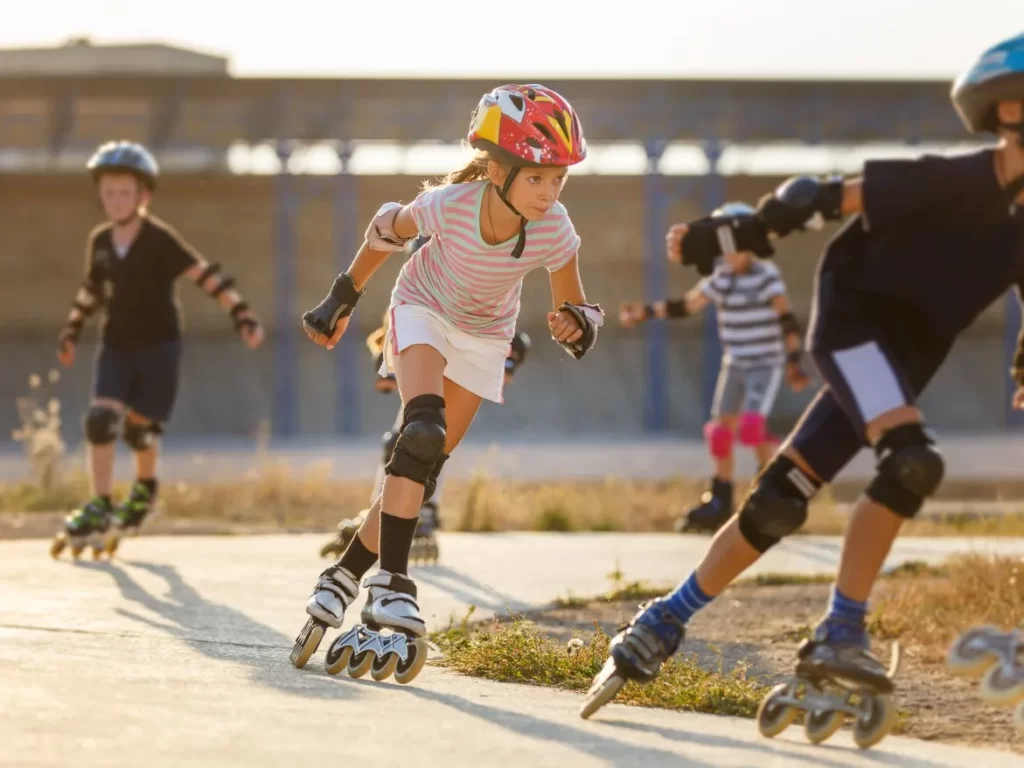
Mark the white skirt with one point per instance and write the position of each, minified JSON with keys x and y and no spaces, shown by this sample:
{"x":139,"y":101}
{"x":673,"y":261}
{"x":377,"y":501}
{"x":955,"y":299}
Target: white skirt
{"x":473,"y":362}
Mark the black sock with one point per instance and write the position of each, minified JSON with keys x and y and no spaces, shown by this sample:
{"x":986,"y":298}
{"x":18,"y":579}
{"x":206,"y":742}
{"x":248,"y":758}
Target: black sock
{"x":357,"y":559}
{"x":150,"y":484}
{"x":396,"y":534}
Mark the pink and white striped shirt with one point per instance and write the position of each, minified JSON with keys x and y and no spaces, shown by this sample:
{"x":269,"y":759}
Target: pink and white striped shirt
{"x":473,"y":285}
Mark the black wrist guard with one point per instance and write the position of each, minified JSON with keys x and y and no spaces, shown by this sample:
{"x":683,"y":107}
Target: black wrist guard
{"x":1017,"y":370}
{"x":801,"y":202}
{"x":789,"y":324}
{"x":239,"y":321}
{"x":676,"y":308}
{"x":708,"y":238}
{"x":579,"y":347}
{"x":339,"y":303}
{"x":794,"y":357}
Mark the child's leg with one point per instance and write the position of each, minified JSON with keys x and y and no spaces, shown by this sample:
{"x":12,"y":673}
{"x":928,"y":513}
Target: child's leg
{"x":101,"y":422}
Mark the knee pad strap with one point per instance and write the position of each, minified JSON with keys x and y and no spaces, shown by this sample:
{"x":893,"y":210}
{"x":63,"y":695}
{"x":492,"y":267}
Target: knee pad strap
{"x":719,"y":439}
{"x":100,"y":424}
{"x":777,"y":504}
{"x":421,"y":442}
{"x":910,"y":469}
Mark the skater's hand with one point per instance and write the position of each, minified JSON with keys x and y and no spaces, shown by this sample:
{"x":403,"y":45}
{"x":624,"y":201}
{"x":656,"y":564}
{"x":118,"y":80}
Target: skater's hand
{"x":251,"y":332}
{"x":1018,"y":399}
{"x":796,"y":377}
{"x":323,"y":340}
{"x":674,"y":242}
{"x":631,"y":314}
{"x":563,"y":327}
{"x":66,"y":352}
{"x":386,"y":384}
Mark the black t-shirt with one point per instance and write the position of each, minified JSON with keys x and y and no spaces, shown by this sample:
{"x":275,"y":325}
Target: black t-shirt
{"x":937,"y":233}
{"x":138,"y":288}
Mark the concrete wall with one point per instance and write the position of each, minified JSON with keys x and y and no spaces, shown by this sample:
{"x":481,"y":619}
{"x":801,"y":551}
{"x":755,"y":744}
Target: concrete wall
{"x":227,"y":389}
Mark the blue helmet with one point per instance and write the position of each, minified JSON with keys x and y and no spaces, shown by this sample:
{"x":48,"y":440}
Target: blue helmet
{"x":125,"y":156}
{"x":733,"y":209}
{"x":997,"y":76}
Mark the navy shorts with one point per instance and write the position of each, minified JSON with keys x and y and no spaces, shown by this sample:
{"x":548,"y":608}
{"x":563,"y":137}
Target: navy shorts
{"x":873,"y":355}
{"x":144,"y":378}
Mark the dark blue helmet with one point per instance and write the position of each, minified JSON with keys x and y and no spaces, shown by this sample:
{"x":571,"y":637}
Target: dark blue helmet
{"x":997,"y":76}
{"x":125,"y":156}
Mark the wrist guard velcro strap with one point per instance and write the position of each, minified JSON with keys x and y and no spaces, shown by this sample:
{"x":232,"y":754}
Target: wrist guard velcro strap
{"x":589,"y":317}
{"x":339,"y":303}
{"x":209,"y":271}
{"x":222,"y":286}
{"x":676,"y":308}
{"x":789,"y":324}
{"x":92,"y":289}
{"x":708,"y":238}
{"x":238,"y":309}
{"x":1017,"y":369}
{"x":794,"y":357}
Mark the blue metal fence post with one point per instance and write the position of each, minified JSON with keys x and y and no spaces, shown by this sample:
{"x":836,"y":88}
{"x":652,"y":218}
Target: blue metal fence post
{"x":656,"y":402}
{"x":286,"y":335}
{"x":714,"y":195}
{"x":1014,"y":419}
{"x":346,"y":225}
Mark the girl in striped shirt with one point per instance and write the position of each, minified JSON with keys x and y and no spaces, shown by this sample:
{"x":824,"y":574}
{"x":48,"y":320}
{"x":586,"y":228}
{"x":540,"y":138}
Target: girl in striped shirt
{"x":452,"y":317}
{"x":759,"y":335}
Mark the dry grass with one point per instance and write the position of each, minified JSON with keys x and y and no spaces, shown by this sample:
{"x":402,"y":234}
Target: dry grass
{"x":277,"y":494}
{"x":928,"y":612}
{"x":518,"y":651}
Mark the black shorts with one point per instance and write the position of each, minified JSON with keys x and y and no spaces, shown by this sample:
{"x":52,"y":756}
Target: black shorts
{"x":144,"y":378}
{"x":874,"y":355}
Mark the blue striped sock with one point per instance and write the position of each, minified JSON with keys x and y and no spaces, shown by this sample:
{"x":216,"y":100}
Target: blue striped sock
{"x":686,"y":599}
{"x":843,"y":608}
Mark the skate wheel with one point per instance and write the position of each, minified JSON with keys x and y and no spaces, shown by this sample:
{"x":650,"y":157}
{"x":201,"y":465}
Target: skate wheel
{"x":57,"y":547}
{"x":774,"y":716}
{"x":819,"y":726}
{"x":307,"y":642}
{"x":338,"y":656}
{"x":384,"y":666}
{"x":973,"y":652}
{"x":112,"y":544}
{"x":1003,"y":685}
{"x":359,"y":664}
{"x":76,"y":550}
{"x":605,"y":687}
{"x":97,"y":552}
{"x":405,"y":672}
{"x":875,"y":721}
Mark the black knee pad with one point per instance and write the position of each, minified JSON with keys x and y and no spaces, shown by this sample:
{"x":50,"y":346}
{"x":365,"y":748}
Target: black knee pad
{"x":100,"y":424}
{"x":431,"y":484}
{"x":139,"y":437}
{"x":421,"y":442}
{"x":389,"y":440}
{"x":910,"y":468}
{"x":777,"y":504}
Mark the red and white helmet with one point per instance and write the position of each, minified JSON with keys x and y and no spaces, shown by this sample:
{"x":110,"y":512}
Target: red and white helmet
{"x":528,"y":125}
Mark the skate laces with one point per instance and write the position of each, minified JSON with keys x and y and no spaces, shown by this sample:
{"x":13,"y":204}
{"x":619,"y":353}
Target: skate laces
{"x":94,"y":510}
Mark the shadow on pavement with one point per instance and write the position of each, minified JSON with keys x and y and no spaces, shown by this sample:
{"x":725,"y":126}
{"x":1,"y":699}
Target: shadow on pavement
{"x":222,"y":633}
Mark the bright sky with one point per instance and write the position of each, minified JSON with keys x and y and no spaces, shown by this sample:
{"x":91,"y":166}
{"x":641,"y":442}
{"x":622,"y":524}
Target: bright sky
{"x":681,"y":38}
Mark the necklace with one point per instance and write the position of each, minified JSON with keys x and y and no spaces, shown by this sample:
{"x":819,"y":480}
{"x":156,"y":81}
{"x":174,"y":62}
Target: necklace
{"x":494,"y":232}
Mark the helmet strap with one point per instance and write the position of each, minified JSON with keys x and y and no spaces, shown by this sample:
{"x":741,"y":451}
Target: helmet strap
{"x":503,"y":194}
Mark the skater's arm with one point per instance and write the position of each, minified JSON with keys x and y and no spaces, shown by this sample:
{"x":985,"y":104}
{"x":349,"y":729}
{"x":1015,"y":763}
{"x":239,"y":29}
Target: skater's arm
{"x":86,"y":301}
{"x":693,"y":302}
{"x":792,"y":335}
{"x":573,"y":323}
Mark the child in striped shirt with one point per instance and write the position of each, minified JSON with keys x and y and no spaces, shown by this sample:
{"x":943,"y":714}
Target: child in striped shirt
{"x":759,"y":336}
{"x":452,"y":317}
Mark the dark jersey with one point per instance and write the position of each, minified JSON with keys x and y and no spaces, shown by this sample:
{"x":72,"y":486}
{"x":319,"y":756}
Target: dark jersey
{"x":138,"y":289}
{"x":937,"y":233}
